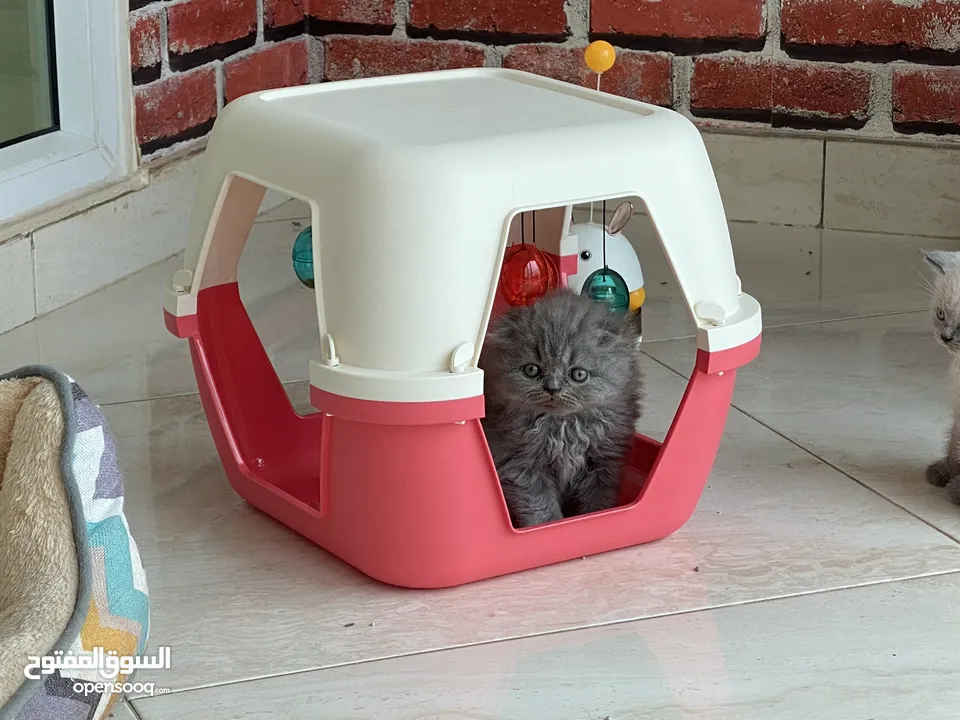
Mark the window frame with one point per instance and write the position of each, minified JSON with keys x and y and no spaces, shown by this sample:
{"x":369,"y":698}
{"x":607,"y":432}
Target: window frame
{"x":95,"y":144}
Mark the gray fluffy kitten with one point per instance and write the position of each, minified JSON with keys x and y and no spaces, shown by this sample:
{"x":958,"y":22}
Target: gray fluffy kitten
{"x":563,"y":387}
{"x":946,"y":328}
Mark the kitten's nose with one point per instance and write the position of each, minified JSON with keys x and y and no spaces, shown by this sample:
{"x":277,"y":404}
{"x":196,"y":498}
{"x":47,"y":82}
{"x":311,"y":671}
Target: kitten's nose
{"x":946,"y":335}
{"x":551,"y":386}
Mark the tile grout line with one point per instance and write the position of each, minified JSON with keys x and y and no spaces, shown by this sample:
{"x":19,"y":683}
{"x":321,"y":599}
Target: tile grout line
{"x":820,"y":233}
{"x":549,"y":633}
{"x":823,"y":190}
{"x":826,"y":462}
{"x":128,"y":701}
{"x":846,"y":474}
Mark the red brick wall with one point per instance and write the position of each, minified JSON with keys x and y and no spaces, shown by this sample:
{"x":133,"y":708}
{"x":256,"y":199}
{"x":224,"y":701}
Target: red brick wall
{"x":880,"y":68}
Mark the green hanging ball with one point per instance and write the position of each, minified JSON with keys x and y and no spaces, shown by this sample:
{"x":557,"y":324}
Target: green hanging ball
{"x":606,"y":287}
{"x":303,"y":256}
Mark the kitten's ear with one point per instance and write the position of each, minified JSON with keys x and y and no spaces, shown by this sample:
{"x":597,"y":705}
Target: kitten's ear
{"x":615,"y":328}
{"x":942,"y":260}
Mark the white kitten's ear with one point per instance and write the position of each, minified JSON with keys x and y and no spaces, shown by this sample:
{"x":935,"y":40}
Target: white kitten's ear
{"x":942,"y":260}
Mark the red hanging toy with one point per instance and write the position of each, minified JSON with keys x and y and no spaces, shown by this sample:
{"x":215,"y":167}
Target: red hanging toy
{"x":527,"y":273}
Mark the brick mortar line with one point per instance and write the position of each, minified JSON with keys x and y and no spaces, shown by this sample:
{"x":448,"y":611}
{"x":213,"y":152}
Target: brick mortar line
{"x":221,"y":84}
{"x":577,"y":13}
{"x":772,"y":24}
{"x":493,"y":55}
{"x":165,"y":70}
{"x":401,"y":17}
{"x":260,"y":21}
{"x":681,"y":82}
{"x":316,"y":56}
{"x":880,"y":102}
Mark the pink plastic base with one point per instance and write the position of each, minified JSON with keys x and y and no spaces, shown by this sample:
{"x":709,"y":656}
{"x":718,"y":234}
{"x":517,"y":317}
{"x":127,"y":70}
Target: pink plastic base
{"x":420,"y":505}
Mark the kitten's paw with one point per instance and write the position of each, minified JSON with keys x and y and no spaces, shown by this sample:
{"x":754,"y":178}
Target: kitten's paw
{"x":938,"y":473}
{"x":953,"y":491}
{"x":597,"y":499}
{"x":532,"y":519}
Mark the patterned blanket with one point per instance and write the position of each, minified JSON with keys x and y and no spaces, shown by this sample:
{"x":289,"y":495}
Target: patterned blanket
{"x":111,"y":611}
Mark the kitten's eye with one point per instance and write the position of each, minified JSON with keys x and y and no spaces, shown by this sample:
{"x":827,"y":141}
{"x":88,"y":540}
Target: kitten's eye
{"x":941,"y":315}
{"x":579,"y":375}
{"x":531,"y":370}
{"x":586,"y":255}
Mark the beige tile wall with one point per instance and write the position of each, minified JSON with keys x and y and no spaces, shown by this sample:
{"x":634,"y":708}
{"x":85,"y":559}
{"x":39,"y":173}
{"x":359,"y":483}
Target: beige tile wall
{"x":892,"y":189}
{"x":768,"y":179}
{"x":16,"y":283}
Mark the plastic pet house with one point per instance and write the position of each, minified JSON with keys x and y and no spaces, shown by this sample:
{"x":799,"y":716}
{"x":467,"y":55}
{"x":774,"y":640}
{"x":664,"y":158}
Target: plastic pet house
{"x":416,"y":184}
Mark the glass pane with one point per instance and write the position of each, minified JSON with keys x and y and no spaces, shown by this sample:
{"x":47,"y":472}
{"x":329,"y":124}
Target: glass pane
{"x":28,"y":98}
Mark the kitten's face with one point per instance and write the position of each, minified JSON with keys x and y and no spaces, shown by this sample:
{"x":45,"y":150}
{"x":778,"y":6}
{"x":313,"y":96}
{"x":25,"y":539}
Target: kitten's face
{"x":562,"y":355}
{"x":945,"y":299}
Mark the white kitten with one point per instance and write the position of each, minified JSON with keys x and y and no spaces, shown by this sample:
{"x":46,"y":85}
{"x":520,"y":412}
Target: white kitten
{"x":945,"y":312}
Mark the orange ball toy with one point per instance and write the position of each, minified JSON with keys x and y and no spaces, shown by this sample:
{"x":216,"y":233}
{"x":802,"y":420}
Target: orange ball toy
{"x":600,"y":56}
{"x":527,"y":275}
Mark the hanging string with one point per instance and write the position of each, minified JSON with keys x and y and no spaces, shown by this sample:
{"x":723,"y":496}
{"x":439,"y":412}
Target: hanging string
{"x":591,"y":203}
{"x":603,"y":222}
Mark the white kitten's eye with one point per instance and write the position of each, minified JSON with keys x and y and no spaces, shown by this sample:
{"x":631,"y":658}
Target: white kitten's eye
{"x":531,"y":370}
{"x":941,"y":315}
{"x":579,"y":375}
{"x":586,"y":255}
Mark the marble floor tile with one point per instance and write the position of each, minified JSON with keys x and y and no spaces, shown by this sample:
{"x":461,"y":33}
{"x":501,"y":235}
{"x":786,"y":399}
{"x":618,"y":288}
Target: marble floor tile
{"x":869,"y":396}
{"x":857,"y":653}
{"x":237,"y":595}
{"x":124,"y":711}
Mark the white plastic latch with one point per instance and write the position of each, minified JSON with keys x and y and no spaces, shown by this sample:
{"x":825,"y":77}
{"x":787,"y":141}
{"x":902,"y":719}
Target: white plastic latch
{"x":330,"y":351}
{"x":461,"y":355}
{"x":182,"y":281}
{"x":710,"y":312}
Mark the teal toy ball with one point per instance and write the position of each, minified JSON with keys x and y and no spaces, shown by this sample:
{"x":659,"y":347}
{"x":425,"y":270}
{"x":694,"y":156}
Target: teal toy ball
{"x":303,"y":256}
{"x":606,"y":287}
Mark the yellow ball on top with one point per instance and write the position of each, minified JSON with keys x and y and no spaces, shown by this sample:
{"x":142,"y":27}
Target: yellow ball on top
{"x":600,"y":56}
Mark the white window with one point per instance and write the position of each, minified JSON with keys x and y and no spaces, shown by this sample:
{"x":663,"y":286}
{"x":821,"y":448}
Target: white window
{"x":66,"y":118}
